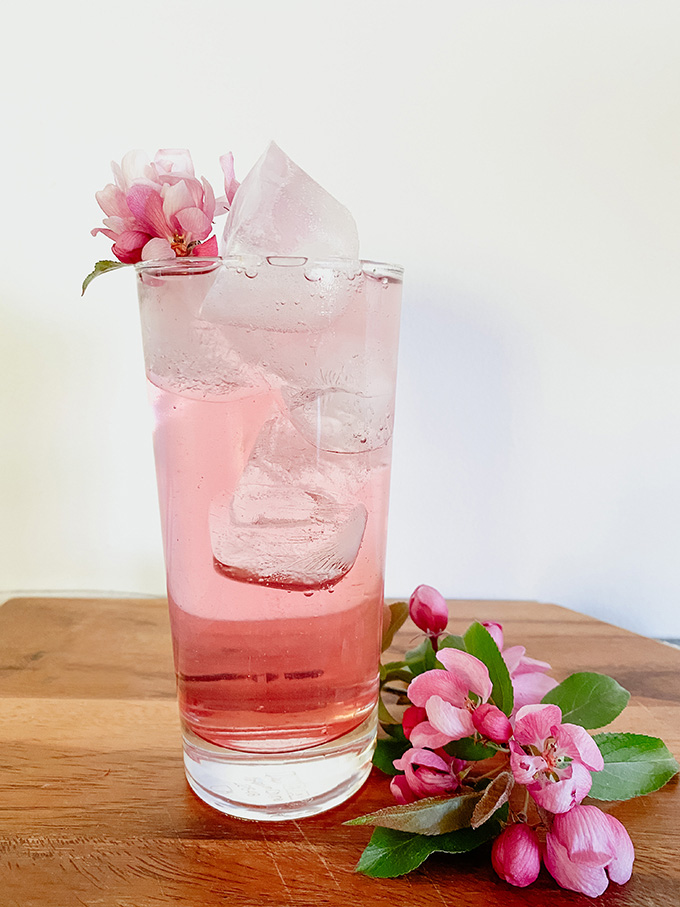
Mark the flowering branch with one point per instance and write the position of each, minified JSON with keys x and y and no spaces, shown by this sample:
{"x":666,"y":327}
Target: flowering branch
{"x":489,"y":746}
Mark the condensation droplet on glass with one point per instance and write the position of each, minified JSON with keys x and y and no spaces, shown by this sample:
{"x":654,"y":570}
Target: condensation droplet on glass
{"x":308,"y":594}
{"x":385,"y":282}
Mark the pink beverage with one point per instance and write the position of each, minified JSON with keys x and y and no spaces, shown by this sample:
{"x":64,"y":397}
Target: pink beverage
{"x":272,"y":385}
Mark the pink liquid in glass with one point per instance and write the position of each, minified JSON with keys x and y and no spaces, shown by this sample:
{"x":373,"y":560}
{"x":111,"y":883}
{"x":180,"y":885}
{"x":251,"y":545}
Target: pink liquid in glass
{"x":276,"y":642}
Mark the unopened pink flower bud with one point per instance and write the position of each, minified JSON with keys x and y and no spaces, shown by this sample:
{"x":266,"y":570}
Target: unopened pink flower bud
{"x":428,"y":610}
{"x":492,"y":723}
{"x":516,"y":855}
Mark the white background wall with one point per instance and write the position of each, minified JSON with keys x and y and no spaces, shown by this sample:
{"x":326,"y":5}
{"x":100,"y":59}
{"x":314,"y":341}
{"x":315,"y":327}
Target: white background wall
{"x":521,"y":159}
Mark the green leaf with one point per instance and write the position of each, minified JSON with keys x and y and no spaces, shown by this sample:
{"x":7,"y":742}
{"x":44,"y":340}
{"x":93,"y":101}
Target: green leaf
{"x":431,"y":816}
{"x":386,"y":751}
{"x":591,"y":700}
{"x":452,"y":642}
{"x":398,"y":614}
{"x":470,"y":750}
{"x":634,"y":764}
{"x":395,"y":670}
{"x":393,"y":853}
{"x":422,"y":658}
{"x":101,"y":267}
{"x":480,"y":643}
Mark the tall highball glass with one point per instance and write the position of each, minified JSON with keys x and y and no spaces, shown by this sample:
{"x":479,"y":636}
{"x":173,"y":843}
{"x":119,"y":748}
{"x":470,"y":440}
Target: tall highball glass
{"x":272,"y":382}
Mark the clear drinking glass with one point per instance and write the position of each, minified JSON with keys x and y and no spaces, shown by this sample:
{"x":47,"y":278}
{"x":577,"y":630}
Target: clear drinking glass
{"x":272,"y":382}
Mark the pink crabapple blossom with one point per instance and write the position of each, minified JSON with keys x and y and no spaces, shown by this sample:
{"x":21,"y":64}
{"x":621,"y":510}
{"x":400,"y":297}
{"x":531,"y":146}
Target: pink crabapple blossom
{"x":530,"y":681}
{"x":552,"y":760}
{"x":426,"y":774}
{"x":159,"y":209}
{"x":516,"y":855}
{"x":585,"y":845}
{"x":449,"y":698}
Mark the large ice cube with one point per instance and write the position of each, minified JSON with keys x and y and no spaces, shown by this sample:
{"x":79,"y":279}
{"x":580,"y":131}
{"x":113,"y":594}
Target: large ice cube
{"x":291,"y":521}
{"x":280,"y":294}
{"x":279,"y":210}
{"x":183,"y":352}
{"x":340,"y":420}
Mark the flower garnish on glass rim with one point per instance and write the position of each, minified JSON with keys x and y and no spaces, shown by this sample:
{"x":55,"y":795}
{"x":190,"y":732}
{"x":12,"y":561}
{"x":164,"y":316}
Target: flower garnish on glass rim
{"x":159,"y":210}
{"x":490,"y":747}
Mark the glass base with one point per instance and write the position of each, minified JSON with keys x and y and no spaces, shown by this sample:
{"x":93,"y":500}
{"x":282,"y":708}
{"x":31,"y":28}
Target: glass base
{"x":280,"y":786}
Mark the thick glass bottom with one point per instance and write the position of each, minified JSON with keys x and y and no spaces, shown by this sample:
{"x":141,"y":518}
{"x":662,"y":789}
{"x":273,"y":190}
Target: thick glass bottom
{"x":280,"y":786}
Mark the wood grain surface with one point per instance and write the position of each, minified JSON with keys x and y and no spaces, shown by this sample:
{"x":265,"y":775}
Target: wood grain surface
{"x":95,"y":810}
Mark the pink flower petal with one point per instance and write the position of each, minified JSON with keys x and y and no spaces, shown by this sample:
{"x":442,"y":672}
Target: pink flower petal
{"x":513,"y":657}
{"x":620,"y":867}
{"x":412,"y":716}
{"x":495,"y":630}
{"x":529,"y":689}
{"x":492,"y":723}
{"x":419,"y":756}
{"x":401,"y":791}
{"x":534,"y":724}
{"x":589,"y":880}
{"x":455,"y":722}
{"x":424,"y":734}
{"x":174,"y":160}
{"x":146,"y":205}
{"x":471,"y":673}
{"x":157,"y":249}
{"x":207,"y":249}
{"x":194,"y":224}
{"x":112,"y":201}
{"x":175,"y":198}
{"x":437,"y":683}
{"x":524,"y":767}
{"x":560,"y":796}
{"x":575,"y":742}
{"x":231,"y":184}
{"x":135,"y":167}
{"x":586,"y":834}
{"x":531,"y":665}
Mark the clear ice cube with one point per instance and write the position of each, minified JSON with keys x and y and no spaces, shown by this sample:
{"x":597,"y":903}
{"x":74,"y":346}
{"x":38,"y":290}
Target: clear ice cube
{"x":280,"y":294}
{"x":279,"y":210}
{"x":185,"y":353}
{"x":291,"y":521}
{"x":339,"y":420}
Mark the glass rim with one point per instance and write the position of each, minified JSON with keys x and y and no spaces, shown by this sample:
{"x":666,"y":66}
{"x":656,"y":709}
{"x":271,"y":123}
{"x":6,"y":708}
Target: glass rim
{"x":184,"y":266}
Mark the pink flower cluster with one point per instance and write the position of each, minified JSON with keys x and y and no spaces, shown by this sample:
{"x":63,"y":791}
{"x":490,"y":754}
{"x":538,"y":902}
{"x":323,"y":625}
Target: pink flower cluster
{"x":159,"y":209}
{"x":550,"y":761}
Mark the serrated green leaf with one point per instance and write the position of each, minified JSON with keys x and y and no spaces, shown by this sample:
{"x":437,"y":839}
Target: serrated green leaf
{"x":634,"y":764}
{"x":398,"y":614}
{"x":392,"y":853}
{"x":480,"y":643}
{"x":431,"y":816}
{"x":589,"y":699}
{"x":101,"y":267}
{"x":452,"y":642}
{"x":422,"y":658}
{"x":470,"y":750}
{"x":386,"y":751}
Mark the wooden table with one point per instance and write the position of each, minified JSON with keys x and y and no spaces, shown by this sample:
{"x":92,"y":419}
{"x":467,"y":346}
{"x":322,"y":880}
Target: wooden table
{"x":94,"y":808}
